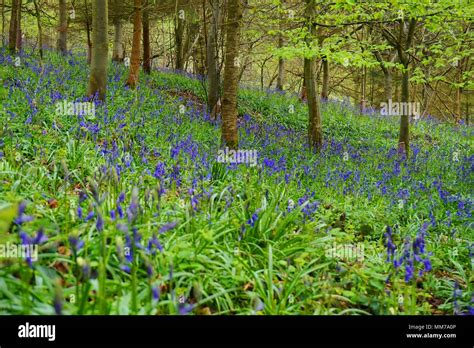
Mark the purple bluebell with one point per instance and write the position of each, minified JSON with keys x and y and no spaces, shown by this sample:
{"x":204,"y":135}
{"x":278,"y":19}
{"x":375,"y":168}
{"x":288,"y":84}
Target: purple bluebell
{"x":168,"y":227}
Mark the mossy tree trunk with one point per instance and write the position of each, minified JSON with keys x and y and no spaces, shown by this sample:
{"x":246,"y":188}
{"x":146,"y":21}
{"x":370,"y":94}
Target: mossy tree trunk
{"x":231,"y":72}
{"x":315,"y":135}
{"x":212,"y":60}
{"x":62,"y":29}
{"x":98,"y":75}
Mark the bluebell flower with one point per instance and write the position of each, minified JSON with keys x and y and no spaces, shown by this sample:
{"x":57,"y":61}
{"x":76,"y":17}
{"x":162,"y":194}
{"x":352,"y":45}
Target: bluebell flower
{"x":89,"y":216}
{"x":159,"y":170}
{"x":154,"y":242}
{"x":168,"y":227}
{"x":126,"y":268}
{"x":58,"y":303}
{"x":121,"y":198}
{"x":185,"y":308}
{"x":21,"y":217}
{"x":120,"y":211}
{"x":155,"y":291}
{"x":253,"y":219}
{"x":99,"y":223}
{"x":391,"y":248}
{"x":76,"y":244}
{"x":79,"y":213}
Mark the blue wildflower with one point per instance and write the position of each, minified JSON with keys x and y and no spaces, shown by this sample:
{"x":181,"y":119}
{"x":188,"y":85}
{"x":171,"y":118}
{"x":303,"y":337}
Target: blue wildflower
{"x":167,"y":227}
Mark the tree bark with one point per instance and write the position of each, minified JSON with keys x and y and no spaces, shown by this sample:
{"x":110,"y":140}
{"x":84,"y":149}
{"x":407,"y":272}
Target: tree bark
{"x":146,"y":42}
{"x":117,"y":54}
{"x":363,"y":90}
{"x":281,"y":62}
{"x":231,"y":69}
{"x":62,"y":41}
{"x":13,"y":27}
{"x":98,"y":76}
{"x":315,"y":137}
{"x":180,"y":22}
{"x":387,"y":73}
{"x":18,"y":29}
{"x":325,"y":87}
{"x":404,"y":138}
{"x":40,"y":28}
{"x":212,"y":57}
{"x":3,"y":23}
{"x":88,"y":32}
{"x":199,"y":54}
{"x":135,"y":57}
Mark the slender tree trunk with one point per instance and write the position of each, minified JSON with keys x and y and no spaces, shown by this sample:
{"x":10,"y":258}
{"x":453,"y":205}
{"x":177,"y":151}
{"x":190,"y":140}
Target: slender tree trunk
{"x":40,"y":28}
{"x":325,"y":87}
{"x":199,"y":54}
{"x":117,"y":55}
{"x":281,"y":74}
{"x":281,"y":61}
{"x":212,"y":57}
{"x":387,"y":73}
{"x":88,"y":32}
{"x":363,"y":90}
{"x":315,"y":136}
{"x":62,"y":41}
{"x":459,"y":95}
{"x":280,"y":85}
{"x":404,"y":138}
{"x":98,"y":76}
{"x":137,"y":34}
{"x":18,"y":29}
{"x":397,"y":86}
{"x":231,"y":71}
{"x":13,"y":27}
{"x":3,"y":23}
{"x":180,"y":21}
{"x":146,"y":42}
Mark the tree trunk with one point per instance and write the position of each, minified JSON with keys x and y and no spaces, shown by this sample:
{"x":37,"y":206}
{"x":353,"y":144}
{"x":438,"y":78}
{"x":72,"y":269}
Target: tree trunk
{"x":315,"y":136}
{"x":387,"y":73}
{"x":231,"y":70}
{"x":137,"y":34}
{"x":404,"y":138}
{"x":281,"y":62}
{"x":363,"y":90}
{"x":3,"y":23}
{"x":146,"y":42}
{"x":13,"y":27}
{"x":117,"y":54}
{"x":88,"y":32}
{"x":18,"y":29}
{"x":40,"y":28}
{"x":179,"y":39}
{"x":459,"y":95}
{"x":314,"y":126}
{"x":98,"y":77}
{"x":62,"y":41}
{"x":325,"y":87}
{"x":212,"y":57}
{"x":199,"y":54}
